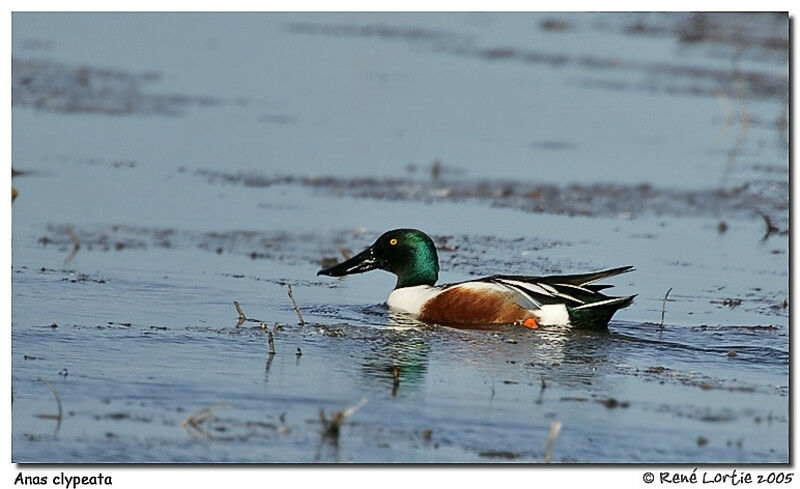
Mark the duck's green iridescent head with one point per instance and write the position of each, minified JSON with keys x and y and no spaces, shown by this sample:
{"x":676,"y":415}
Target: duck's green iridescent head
{"x":408,"y":253}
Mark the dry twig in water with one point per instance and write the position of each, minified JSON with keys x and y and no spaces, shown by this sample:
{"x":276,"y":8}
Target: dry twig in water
{"x":541,"y":391}
{"x":330,"y":428}
{"x":770,"y":228}
{"x":76,"y":244}
{"x":664,"y":308}
{"x":296,"y":309}
{"x":436,"y":169}
{"x":242,"y":317}
{"x":58,"y":416}
{"x":197,"y":418}
{"x":267,"y":367}
{"x":396,"y":384}
{"x":555,"y":429}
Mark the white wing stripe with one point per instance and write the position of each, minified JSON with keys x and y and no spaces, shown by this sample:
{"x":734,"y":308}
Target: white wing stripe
{"x":582,"y":289}
{"x":547,"y":288}
{"x":517,"y":289}
{"x":567,"y":296}
{"x":593,"y":304}
{"x":536,"y":289}
{"x":554,"y":292}
{"x":540,"y":288}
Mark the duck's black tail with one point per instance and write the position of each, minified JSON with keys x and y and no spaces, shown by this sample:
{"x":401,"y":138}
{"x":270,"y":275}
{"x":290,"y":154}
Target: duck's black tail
{"x":584,"y":279}
{"x":596,"y":315}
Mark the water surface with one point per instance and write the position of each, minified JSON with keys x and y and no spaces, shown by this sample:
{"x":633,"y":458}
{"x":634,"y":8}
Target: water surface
{"x":200,"y":159}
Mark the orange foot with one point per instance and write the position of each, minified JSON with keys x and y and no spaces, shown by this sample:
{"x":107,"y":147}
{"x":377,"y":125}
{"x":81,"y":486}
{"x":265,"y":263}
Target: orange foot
{"x":530,"y":323}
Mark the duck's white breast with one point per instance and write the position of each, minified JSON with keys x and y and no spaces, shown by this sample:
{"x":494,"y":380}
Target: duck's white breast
{"x":411,"y":299}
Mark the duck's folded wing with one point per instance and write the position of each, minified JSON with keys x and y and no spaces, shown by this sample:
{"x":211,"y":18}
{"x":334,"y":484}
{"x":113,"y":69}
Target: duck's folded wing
{"x":541,"y":293}
{"x":581,"y":280}
{"x":571,"y":290}
{"x":528,"y":295}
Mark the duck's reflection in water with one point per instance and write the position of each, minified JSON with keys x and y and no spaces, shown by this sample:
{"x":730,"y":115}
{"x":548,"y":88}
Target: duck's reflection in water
{"x":564,"y":356}
{"x":398,"y":355}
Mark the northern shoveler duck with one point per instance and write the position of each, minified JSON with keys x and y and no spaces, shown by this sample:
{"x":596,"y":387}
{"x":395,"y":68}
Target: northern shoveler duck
{"x":568,"y":300}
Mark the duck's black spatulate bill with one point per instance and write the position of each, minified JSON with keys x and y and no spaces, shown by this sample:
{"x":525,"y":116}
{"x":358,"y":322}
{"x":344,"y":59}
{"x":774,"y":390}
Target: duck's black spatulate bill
{"x":362,"y":262}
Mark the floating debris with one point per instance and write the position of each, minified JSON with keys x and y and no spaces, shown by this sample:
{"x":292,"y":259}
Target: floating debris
{"x":82,"y":278}
{"x":499,"y":454}
{"x":70,"y":89}
{"x":192,"y":424}
{"x":333,"y":332}
{"x":555,"y":25}
{"x":729,"y":302}
{"x":271,"y":341}
{"x":597,"y":199}
{"x":612,"y":403}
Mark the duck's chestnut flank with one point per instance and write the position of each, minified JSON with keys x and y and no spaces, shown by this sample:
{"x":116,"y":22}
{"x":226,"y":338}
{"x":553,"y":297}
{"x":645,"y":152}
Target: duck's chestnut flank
{"x":464,"y":306}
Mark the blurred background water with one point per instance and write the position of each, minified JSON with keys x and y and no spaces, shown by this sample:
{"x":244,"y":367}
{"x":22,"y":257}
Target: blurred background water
{"x":199,"y":159}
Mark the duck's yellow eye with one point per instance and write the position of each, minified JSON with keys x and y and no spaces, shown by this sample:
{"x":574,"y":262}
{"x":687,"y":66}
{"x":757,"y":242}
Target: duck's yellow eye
{"x":393,"y":241}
